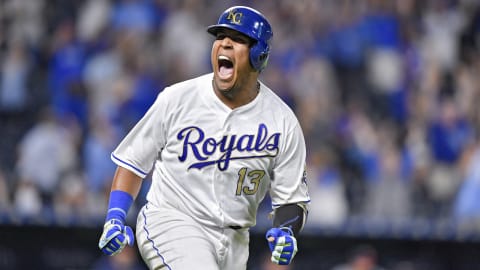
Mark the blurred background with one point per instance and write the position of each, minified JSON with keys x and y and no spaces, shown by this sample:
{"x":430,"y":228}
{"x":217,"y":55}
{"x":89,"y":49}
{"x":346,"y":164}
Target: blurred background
{"x":387,"y":93}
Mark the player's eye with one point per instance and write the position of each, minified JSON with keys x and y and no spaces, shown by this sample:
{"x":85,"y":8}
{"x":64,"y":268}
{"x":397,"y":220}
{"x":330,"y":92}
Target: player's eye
{"x":240,"y":39}
{"x":235,"y":38}
{"x":221,"y":36}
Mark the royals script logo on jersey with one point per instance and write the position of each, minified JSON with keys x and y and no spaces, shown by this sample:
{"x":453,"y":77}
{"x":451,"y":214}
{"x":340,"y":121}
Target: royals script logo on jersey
{"x":230,"y":147}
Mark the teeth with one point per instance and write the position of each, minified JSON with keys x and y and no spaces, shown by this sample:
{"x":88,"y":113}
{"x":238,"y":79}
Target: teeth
{"x":223,"y":57}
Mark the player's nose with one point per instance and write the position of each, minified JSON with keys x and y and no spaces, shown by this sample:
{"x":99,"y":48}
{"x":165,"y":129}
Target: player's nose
{"x":226,"y":42}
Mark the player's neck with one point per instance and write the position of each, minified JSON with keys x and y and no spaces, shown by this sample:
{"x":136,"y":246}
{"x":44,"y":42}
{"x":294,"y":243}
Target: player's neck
{"x":238,"y":96}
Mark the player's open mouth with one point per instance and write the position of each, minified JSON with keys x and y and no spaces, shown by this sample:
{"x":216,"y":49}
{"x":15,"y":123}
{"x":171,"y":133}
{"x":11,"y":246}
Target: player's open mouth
{"x":225,"y":67}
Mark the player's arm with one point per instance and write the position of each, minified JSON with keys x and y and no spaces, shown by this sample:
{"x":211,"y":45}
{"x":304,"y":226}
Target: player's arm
{"x":290,"y":217}
{"x":288,"y":221}
{"x":289,"y":194}
{"x":116,"y":234}
{"x":127,"y":181}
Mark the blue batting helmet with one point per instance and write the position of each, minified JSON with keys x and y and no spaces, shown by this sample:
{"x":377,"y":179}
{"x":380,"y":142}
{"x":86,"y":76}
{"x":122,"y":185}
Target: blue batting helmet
{"x":251,"y":23}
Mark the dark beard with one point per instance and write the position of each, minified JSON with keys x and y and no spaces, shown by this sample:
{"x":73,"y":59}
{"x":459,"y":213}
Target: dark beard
{"x":228,"y":93}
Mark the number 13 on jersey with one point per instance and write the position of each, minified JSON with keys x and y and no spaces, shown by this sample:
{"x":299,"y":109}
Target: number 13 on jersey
{"x":253,"y":181}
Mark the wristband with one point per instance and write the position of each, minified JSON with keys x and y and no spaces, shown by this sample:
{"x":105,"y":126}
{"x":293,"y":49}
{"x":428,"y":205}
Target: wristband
{"x":118,"y":205}
{"x":291,"y":216}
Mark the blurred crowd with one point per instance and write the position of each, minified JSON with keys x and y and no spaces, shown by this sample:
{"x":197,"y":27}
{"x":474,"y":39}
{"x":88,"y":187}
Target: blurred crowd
{"x":387,"y":93}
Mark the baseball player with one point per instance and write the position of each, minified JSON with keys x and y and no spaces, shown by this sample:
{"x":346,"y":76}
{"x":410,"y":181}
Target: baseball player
{"x":217,"y":144}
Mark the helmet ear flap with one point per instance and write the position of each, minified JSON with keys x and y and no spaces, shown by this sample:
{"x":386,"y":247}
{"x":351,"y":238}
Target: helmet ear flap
{"x":259,"y":54}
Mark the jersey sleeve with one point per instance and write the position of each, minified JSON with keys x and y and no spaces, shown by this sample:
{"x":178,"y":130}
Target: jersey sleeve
{"x":289,"y":175}
{"x":138,"y":151}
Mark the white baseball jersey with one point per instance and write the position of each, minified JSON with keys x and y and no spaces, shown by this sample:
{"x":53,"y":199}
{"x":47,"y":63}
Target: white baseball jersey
{"x":213,"y":163}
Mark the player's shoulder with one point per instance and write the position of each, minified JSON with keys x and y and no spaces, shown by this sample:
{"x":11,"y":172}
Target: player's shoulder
{"x":187,"y":88}
{"x":195,"y":82}
{"x":276,"y":104}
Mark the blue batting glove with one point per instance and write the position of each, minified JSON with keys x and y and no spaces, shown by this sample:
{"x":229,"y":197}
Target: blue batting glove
{"x":115,"y":237}
{"x":283,"y":245}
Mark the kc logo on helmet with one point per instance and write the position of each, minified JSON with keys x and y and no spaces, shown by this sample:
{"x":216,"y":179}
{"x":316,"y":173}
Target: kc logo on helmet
{"x":234,"y":17}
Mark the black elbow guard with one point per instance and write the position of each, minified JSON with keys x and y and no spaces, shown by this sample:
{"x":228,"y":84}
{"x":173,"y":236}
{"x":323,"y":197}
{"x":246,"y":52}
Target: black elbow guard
{"x":292,"y":216}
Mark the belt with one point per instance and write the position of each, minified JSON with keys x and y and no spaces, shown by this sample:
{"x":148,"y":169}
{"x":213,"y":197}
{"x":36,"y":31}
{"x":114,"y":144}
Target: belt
{"x":235,"y":227}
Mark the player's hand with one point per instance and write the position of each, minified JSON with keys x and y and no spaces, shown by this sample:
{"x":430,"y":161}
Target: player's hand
{"x":283,"y":245}
{"x":115,"y":236}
